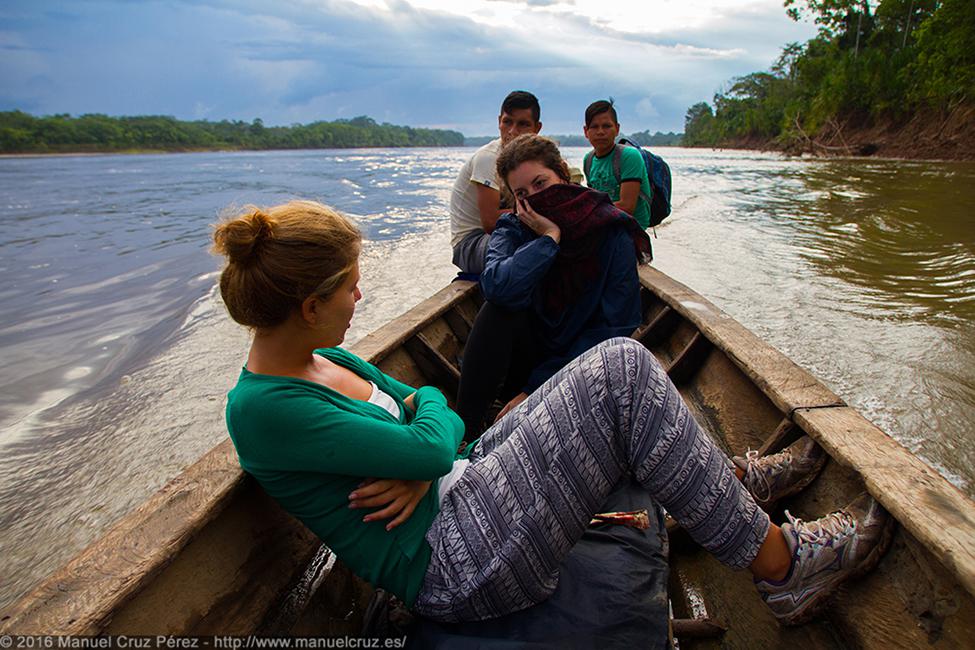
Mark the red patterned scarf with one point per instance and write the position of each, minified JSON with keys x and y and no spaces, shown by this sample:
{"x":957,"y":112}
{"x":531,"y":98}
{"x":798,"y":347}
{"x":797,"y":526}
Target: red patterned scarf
{"x":584,"y":216}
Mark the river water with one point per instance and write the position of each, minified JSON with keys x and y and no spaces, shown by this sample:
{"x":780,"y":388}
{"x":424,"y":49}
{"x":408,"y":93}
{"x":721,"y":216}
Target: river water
{"x":115,"y":353}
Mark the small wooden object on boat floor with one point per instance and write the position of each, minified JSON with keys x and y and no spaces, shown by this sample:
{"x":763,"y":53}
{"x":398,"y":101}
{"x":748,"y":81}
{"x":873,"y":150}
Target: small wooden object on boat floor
{"x":285,"y":614}
{"x":697,"y":628}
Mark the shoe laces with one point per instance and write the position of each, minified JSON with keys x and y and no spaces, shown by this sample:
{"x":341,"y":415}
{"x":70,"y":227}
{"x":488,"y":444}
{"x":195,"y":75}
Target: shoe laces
{"x":824,"y":531}
{"x":762,"y":468}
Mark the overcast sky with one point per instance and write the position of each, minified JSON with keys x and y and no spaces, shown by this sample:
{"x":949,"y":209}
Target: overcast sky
{"x":434,"y":63}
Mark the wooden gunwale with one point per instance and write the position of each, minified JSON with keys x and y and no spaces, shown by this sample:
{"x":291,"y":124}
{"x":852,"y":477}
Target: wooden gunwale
{"x":935,"y":512}
{"x":785,"y":383}
{"x":375,"y":346}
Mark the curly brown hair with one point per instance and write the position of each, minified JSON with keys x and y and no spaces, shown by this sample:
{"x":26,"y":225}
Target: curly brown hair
{"x":531,"y":147}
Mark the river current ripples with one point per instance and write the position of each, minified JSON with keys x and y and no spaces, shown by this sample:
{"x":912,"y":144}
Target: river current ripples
{"x":116,"y":354}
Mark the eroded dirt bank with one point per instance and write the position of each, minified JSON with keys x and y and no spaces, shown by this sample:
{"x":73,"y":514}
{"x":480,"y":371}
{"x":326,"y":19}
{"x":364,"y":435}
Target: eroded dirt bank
{"x":930,"y":135}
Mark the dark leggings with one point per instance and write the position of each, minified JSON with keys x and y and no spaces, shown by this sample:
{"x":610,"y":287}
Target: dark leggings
{"x":501,"y":352}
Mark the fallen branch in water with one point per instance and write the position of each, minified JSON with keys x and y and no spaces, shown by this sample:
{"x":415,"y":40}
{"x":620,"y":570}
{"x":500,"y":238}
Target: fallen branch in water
{"x":816,"y":144}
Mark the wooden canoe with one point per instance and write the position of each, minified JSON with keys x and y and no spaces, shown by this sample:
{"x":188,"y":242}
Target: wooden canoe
{"x":210,"y":553}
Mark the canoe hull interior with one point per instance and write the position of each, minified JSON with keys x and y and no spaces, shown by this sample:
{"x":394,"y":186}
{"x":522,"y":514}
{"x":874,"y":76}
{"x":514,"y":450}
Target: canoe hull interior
{"x":210,"y":553}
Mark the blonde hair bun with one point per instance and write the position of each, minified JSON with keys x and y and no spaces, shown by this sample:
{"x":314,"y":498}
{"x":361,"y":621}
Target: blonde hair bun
{"x":240,"y":239}
{"x":278,"y":256}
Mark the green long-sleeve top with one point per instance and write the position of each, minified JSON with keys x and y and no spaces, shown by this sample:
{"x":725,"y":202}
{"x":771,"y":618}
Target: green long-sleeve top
{"x":310,"y":446}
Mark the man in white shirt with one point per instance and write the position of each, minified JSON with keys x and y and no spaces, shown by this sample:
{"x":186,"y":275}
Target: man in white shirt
{"x":475,"y":201}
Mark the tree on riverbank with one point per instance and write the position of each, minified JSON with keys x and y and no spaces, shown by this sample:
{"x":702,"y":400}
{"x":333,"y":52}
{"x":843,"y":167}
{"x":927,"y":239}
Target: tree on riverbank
{"x":871,"y":63}
{"x":23,"y":133}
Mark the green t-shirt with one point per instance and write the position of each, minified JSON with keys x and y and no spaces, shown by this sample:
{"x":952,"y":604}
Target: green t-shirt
{"x":632,"y":168}
{"x":310,"y":446}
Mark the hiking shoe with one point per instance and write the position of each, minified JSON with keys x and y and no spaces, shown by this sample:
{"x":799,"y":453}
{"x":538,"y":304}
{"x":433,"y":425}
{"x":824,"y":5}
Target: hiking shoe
{"x":825,"y":553}
{"x":773,"y":477}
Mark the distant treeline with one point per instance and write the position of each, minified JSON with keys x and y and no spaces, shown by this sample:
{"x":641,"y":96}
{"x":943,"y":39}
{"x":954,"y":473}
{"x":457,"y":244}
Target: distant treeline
{"x":643,"y":138}
{"x":658,"y":139}
{"x":23,"y":133}
{"x":871,"y":61}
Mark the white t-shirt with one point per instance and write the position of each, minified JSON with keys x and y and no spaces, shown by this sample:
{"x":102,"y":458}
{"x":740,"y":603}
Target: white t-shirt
{"x":381,"y":398}
{"x":465,"y":218}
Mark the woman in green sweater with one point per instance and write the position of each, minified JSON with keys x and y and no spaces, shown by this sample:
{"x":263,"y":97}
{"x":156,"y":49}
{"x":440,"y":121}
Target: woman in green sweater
{"x":371,"y":465}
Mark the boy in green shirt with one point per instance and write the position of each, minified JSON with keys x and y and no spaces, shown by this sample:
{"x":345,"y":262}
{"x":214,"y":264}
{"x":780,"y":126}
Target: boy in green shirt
{"x":602,"y":129}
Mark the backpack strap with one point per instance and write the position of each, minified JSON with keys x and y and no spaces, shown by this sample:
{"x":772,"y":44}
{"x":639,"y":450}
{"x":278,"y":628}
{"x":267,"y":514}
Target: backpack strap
{"x":618,"y":166}
{"x":618,"y":163}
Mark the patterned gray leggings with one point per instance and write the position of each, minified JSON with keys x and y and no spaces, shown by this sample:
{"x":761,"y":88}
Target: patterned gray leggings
{"x":537,"y":476}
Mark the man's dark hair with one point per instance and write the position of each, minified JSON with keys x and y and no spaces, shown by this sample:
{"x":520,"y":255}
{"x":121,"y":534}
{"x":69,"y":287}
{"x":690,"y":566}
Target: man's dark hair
{"x":519,"y":99}
{"x":600,"y":107}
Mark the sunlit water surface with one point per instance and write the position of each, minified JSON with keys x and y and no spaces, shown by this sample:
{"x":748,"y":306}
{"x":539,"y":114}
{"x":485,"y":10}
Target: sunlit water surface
{"x":116,"y":355}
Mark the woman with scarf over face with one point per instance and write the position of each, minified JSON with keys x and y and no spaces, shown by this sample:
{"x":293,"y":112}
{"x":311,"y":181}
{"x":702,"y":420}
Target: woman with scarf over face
{"x":560,"y":276}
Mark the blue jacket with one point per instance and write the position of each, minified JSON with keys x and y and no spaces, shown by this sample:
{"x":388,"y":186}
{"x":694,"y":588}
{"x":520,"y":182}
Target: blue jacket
{"x":517,"y":261}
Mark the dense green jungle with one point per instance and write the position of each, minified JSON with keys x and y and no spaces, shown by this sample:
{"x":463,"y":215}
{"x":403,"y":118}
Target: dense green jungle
{"x":894,"y":77}
{"x":24,"y":133}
